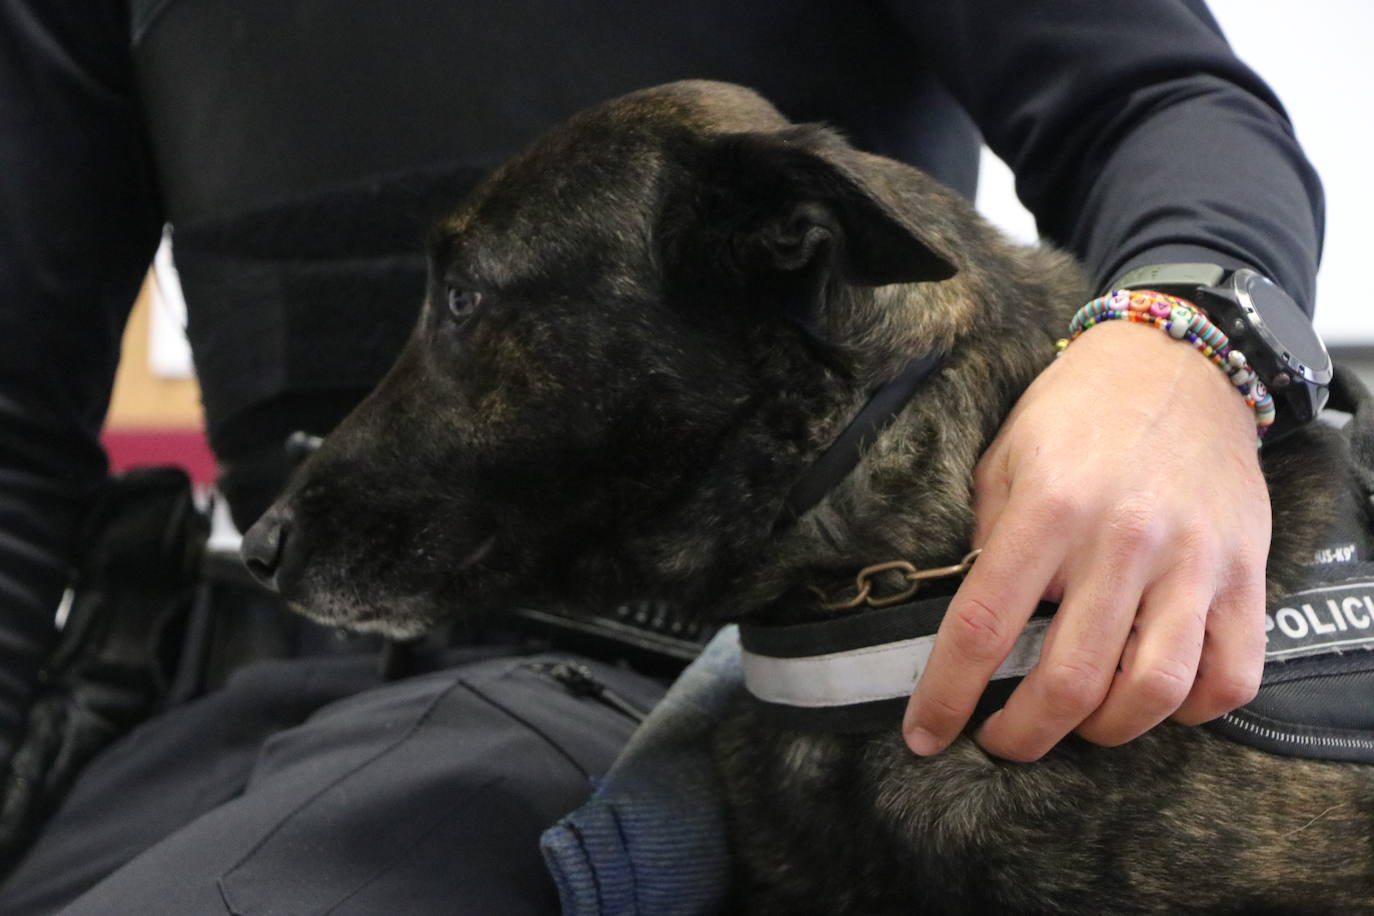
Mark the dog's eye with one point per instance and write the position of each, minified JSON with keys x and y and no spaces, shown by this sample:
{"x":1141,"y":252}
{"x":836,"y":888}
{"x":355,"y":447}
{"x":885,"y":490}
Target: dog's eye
{"x":462,"y":302}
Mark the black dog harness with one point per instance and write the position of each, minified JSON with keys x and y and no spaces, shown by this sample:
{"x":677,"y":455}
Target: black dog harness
{"x":854,"y":673}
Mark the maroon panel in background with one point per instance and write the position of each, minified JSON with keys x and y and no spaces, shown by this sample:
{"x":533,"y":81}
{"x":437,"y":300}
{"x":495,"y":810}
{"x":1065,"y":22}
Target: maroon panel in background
{"x":187,"y":448}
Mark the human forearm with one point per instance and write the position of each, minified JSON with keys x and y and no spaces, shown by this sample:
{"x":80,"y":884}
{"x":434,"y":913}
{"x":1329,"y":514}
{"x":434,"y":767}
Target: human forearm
{"x":1135,"y":133}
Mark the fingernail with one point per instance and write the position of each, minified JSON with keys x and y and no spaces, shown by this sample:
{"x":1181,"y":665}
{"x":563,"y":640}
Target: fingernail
{"x":922,"y":742}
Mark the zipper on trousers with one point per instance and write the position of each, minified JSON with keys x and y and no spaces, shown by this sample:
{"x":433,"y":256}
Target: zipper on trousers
{"x":579,"y":681}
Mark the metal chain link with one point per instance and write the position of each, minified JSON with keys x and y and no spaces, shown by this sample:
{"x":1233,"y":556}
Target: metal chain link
{"x":864,"y":585}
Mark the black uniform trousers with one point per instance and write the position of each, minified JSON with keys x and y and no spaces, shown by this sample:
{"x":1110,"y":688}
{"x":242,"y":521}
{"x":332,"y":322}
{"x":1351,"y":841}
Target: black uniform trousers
{"x":308,"y":786}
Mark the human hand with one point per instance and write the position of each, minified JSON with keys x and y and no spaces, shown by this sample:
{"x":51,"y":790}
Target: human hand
{"x":1126,"y":484}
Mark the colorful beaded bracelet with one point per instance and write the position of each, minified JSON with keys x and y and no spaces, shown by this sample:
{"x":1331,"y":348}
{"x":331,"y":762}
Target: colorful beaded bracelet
{"x":1181,"y":320}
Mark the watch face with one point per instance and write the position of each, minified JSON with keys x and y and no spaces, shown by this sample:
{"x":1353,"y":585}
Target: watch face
{"x":1288,"y":325}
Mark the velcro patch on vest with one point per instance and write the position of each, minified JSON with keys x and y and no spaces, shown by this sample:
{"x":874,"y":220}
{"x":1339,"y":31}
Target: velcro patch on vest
{"x":1323,"y":620}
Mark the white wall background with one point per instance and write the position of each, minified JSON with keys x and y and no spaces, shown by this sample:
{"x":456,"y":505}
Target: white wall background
{"x":1319,"y":57}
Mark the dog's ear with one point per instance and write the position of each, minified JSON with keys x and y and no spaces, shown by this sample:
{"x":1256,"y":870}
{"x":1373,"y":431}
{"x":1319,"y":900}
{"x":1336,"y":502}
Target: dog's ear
{"x":811,"y":196}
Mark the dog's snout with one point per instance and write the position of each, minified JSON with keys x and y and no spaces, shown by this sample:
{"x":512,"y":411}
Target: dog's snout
{"x":264,"y":545}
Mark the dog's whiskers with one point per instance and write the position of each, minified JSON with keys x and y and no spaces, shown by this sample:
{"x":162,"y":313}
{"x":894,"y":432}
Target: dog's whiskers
{"x":479,"y":554}
{"x":1299,"y":830}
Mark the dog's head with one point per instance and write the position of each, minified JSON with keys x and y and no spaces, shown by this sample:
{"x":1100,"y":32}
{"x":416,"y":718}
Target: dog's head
{"x":635,"y":338}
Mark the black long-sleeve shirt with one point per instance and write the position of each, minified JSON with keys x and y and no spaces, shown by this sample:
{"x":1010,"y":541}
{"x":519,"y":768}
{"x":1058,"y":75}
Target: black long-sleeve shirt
{"x":298,"y":147}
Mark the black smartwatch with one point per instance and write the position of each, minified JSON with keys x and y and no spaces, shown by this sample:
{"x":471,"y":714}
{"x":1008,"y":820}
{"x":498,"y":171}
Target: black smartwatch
{"x":1263,"y":322}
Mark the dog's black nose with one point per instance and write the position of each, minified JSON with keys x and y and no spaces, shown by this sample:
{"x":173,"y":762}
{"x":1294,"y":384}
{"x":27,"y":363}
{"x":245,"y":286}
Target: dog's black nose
{"x":265,"y":544}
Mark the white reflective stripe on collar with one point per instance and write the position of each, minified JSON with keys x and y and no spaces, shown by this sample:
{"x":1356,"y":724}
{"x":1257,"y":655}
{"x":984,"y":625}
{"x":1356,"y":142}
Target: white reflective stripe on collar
{"x":882,"y":672}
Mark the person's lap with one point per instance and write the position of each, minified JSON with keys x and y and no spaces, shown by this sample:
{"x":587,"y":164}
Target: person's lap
{"x":306,"y":786}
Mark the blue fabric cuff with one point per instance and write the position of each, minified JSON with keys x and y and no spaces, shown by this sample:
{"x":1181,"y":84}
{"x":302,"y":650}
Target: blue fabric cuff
{"x":652,"y":837}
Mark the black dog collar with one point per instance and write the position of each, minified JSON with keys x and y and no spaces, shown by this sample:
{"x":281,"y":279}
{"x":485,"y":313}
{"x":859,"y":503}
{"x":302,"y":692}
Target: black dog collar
{"x":854,"y":673}
{"x":841,"y":456}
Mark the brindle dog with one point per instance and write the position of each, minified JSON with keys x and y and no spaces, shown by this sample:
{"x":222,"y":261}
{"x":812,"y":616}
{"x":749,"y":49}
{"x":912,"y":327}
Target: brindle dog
{"x":638,"y":334}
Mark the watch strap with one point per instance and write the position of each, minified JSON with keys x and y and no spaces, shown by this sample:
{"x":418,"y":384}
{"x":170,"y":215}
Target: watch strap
{"x":1171,"y":278}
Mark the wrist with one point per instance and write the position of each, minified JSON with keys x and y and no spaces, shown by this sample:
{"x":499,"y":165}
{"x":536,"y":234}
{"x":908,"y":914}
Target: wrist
{"x":1261,"y":320}
{"x":1175,"y":321}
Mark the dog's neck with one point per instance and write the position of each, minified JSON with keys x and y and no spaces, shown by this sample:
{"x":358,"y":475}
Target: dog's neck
{"x":909,"y":496}
{"x":844,"y":453}
{"x":821,"y":656}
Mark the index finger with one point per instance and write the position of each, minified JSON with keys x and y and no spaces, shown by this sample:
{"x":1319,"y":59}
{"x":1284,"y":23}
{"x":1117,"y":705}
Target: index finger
{"x":981,"y":625}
